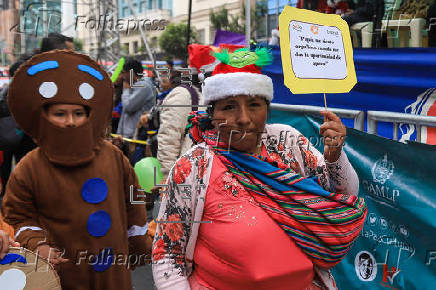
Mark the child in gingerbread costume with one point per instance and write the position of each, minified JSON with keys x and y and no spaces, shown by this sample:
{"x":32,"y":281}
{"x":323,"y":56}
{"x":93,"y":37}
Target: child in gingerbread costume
{"x":70,"y":198}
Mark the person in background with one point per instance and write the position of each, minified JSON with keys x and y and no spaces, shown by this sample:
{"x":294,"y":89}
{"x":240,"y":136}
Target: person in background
{"x":365,"y":10}
{"x":26,"y":144}
{"x":134,"y":100}
{"x":56,"y":41}
{"x":315,"y":5}
{"x":118,"y":108}
{"x":150,"y":121}
{"x":339,"y":7}
{"x":179,"y":102}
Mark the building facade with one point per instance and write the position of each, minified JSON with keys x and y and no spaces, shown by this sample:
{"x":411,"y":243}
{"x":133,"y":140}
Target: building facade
{"x":200,"y":15}
{"x":151,"y":15}
{"x":9,"y":40}
{"x":86,"y":25}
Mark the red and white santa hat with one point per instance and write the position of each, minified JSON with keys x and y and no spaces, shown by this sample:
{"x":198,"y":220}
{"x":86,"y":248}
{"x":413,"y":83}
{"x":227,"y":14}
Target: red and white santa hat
{"x":239,"y":73}
{"x":200,"y":59}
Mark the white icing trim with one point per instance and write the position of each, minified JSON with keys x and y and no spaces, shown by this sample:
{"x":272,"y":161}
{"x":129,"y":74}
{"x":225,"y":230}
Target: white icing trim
{"x":220,"y":86}
{"x":137,"y":230}
{"x":27,"y":228}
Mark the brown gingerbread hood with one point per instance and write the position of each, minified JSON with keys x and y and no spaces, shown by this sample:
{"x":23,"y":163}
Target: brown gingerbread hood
{"x":62,"y":77}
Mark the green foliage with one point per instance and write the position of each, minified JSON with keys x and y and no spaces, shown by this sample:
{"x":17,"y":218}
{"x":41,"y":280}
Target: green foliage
{"x":78,"y":44}
{"x":173,"y":40}
{"x":125,"y":49}
{"x":219,"y":19}
{"x":223,"y":21}
{"x":261,"y":8}
{"x":142,"y":49}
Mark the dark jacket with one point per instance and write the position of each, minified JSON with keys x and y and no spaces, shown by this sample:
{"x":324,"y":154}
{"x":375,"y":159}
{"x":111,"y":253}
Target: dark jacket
{"x":369,"y":8}
{"x":4,"y":109}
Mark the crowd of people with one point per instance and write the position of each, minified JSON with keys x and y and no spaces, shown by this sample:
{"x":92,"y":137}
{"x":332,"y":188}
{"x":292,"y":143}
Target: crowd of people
{"x":250,"y":185}
{"x":357,"y":11}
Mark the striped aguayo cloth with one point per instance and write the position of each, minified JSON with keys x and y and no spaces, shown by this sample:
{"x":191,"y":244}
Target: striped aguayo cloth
{"x":323,"y":224}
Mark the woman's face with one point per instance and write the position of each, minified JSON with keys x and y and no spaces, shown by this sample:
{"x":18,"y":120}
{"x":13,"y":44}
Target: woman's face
{"x":240,"y":121}
{"x":66,"y":115}
{"x":165,"y":83}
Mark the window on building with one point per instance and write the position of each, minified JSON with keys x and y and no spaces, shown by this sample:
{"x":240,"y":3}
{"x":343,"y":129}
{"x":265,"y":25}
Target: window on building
{"x":154,"y":42}
{"x":261,"y":32}
{"x":143,"y":6}
{"x":126,"y":49}
{"x":159,"y":4}
{"x":272,"y":23}
{"x":150,"y":4}
{"x":167,"y":4}
{"x":212,"y":33}
{"x":272,"y":5}
{"x":126,"y":12}
{"x":4,"y":4}
{"x":201,"y":36}
{"x":135,"y":47}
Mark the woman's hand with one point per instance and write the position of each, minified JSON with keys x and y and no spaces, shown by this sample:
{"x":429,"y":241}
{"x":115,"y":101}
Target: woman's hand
{"x":54,"y":256}
{"x":334,"y":133}
{"x":143,"y":121}
{"x":5,"y":242}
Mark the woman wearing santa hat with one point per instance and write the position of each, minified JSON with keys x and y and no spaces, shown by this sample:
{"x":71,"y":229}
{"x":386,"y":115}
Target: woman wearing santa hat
{"x":254,"y":205}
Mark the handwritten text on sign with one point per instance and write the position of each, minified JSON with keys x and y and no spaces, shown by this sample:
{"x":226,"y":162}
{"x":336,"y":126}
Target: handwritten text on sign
{"x":317,"y":51}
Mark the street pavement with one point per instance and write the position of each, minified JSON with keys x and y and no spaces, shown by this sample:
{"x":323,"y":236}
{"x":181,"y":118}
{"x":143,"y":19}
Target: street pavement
{"x":142,"y":278}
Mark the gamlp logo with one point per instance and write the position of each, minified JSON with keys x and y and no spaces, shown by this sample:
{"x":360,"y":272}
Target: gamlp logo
{"x":382,"y":170}
{"x":425,"y":105}
{"x":379,"y":188}
{"x":365,"y":266}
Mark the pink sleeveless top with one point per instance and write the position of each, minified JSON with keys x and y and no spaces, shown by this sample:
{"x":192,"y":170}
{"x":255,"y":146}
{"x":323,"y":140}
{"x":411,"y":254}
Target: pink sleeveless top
{"x":243,"y":248}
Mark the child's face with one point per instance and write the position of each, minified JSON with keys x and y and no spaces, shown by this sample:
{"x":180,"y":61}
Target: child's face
{"x":66,"y":115}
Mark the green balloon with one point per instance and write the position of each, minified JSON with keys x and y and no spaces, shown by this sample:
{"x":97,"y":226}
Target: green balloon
{"x":144,"y":170}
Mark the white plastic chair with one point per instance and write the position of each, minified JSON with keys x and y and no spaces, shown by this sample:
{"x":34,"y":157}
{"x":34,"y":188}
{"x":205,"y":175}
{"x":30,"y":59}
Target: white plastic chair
{"x":402,"y":27}
{"x":366,"y":29}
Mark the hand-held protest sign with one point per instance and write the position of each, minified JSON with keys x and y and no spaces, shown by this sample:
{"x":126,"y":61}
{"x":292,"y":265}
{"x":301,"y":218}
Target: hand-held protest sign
{"x":317,"y":55}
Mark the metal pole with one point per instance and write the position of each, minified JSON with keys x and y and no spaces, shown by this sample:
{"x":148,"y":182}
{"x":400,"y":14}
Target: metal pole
{"x":278,"y":11}
{"x":188,"y":32}
{"x":266,"y":21}
{"x":247,"y":23}
{"x":44,"y":19}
